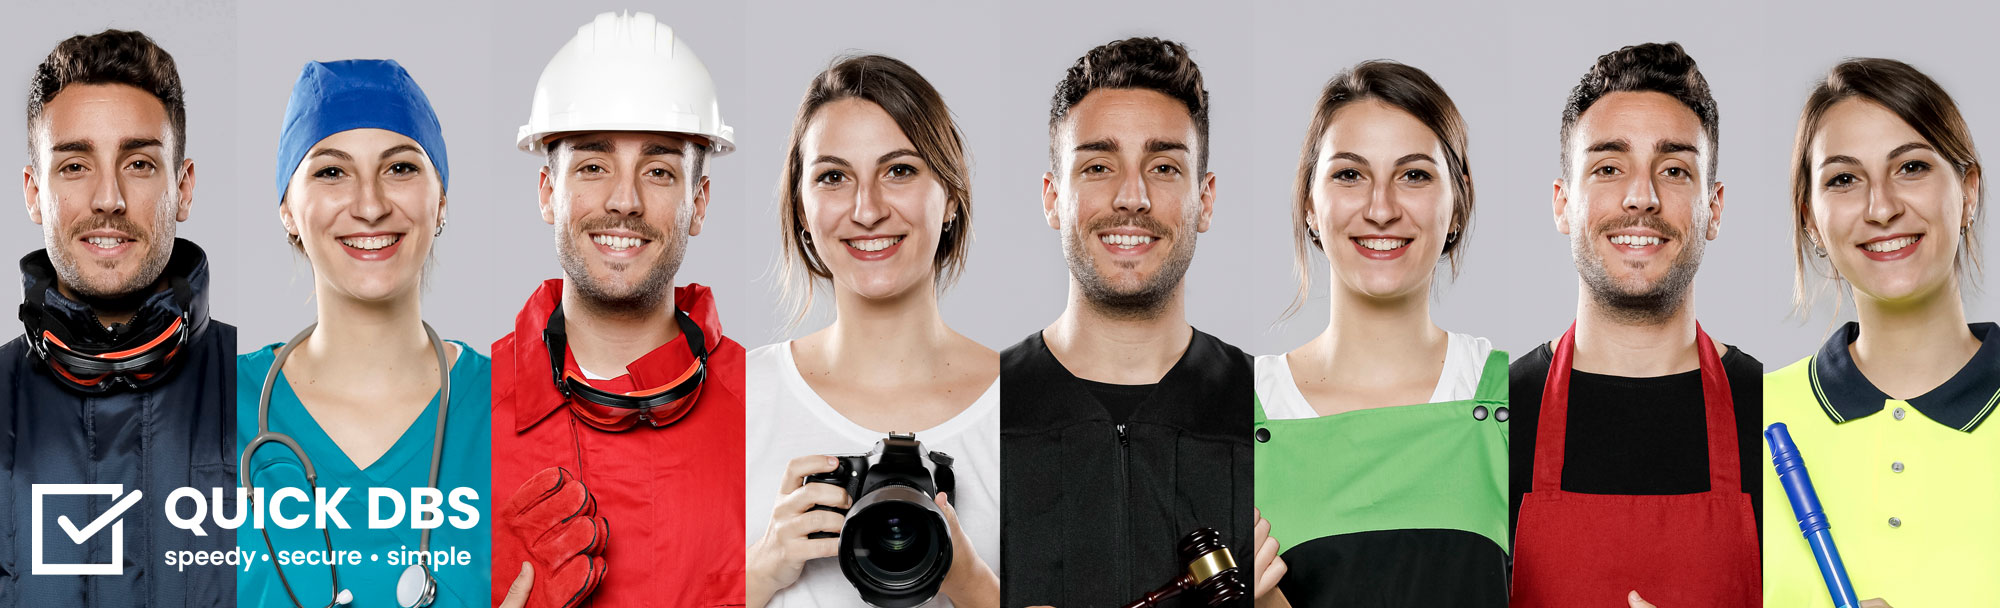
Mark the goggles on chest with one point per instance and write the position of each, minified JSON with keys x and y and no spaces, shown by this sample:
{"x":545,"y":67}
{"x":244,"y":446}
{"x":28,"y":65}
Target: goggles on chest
{"x":657,"y":407}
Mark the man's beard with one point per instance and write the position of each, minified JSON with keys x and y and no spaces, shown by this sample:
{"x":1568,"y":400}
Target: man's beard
{"x":1646,"y":304}
{"x":642,"y":297}
{"x":1146,"y":300}
{"x":159,"y":241}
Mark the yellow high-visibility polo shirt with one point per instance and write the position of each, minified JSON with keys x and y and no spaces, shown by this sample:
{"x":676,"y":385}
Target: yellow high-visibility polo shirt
{"x":1911,"y":489}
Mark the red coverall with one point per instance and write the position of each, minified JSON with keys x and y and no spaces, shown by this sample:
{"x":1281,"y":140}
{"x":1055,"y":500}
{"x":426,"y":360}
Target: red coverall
{"x":673,"y":495}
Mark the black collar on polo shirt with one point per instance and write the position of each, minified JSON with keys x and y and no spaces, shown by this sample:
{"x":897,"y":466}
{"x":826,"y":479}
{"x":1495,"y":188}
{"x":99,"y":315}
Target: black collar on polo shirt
{"x":1962,"y":402}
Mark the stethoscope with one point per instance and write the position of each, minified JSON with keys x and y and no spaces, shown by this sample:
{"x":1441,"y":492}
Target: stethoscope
{"x":416,"y":588}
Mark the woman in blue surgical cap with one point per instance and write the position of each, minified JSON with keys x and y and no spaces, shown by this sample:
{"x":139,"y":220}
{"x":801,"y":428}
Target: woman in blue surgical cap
{"x":367,"y":404}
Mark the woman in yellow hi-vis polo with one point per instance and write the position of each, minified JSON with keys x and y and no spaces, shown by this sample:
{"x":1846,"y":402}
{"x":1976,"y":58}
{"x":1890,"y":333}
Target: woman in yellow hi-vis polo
{"x":1891,"y":416}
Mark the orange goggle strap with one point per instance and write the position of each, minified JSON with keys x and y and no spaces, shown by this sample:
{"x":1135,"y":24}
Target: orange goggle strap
{"x":658,"y":406}
{"x":133,"y":366}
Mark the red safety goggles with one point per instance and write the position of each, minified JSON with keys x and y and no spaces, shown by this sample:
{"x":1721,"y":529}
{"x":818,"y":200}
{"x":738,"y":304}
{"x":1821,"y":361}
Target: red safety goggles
{"x":94,"y":370}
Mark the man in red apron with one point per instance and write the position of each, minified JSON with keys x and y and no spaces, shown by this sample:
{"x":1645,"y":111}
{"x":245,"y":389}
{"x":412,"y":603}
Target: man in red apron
{"x":617,"y":401}
{"x":1635,"y":458}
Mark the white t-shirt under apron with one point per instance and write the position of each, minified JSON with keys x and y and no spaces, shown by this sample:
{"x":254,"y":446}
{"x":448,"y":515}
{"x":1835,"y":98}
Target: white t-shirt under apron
{"x":1464,"y":359}
{"x":786,"y":420}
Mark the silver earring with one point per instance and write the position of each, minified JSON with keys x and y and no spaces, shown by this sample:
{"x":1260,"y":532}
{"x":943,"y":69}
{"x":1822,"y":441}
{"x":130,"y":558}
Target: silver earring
{"x":1315,"y":234}
{"x":1451,"y":237}
{"x":440,"y":230}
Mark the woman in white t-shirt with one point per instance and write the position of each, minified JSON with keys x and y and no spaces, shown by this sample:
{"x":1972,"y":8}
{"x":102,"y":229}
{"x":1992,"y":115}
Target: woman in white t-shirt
{"x":876,"y":203}
{"x":1381,"y":445}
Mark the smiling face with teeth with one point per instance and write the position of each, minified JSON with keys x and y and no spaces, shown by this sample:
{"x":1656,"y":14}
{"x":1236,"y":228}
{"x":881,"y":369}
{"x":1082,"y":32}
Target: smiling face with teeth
{"x":1128,"y":197}
{"x":1381,"y":200}
{"x":623,"y":205}
{"x":1637,"y":203}
{"x":364,"y":204}
{"x":1886,"y":205}
{"x":106,"y":188}
{"x":874,"y":207}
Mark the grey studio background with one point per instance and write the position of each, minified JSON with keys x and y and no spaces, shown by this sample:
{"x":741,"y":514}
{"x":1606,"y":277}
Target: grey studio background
{"x":1508,"y":68}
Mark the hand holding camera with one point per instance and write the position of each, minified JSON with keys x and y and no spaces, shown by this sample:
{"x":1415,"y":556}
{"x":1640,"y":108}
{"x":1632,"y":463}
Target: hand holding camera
{"x":878,"y":512}
{"x":777,"y":559}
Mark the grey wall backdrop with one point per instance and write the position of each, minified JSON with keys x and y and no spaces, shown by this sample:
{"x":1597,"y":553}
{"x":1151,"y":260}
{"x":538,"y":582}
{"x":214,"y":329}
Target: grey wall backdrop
{"x":1508,"y":68}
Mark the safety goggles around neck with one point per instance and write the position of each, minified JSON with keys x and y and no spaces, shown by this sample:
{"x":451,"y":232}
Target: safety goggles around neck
{"x":134,"y":364}
{"x":657,"y":406}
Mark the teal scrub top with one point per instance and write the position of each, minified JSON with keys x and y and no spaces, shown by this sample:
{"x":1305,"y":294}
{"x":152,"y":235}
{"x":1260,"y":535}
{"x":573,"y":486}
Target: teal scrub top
{"x":383,"y":554}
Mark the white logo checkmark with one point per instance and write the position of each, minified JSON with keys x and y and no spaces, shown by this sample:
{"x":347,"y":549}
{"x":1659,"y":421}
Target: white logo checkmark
{"x":108,"y":524}
{"x":78,"y":536}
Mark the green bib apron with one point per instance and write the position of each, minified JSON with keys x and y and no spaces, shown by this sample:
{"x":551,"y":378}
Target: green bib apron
{"x":1394,"y":506}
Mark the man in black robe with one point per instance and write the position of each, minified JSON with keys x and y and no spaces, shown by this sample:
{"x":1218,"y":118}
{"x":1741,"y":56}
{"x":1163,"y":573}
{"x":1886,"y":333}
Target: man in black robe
{"x":1122,"y":427}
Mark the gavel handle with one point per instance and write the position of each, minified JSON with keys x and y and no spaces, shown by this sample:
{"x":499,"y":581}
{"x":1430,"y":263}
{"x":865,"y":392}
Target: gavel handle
{"x":1155,"y":597}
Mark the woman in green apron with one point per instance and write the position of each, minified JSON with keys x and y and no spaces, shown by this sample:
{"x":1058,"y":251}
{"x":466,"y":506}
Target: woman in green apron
{"x":1381,"y":445}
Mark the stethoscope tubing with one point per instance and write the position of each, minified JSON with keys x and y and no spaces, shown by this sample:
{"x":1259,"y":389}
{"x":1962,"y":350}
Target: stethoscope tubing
{"x":266,"y":435}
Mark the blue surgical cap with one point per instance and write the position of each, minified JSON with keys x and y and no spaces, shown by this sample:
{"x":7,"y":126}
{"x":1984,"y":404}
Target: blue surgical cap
{"x":335,"y":96}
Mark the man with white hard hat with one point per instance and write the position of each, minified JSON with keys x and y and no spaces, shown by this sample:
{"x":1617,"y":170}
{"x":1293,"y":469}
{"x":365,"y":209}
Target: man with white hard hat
{"x":617,"y":402}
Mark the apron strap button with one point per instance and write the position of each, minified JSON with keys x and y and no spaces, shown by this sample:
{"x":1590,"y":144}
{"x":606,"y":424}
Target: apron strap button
{"x":1479,"y":412}
{"x":1263,"y":435}
{"x":1500,"y":414}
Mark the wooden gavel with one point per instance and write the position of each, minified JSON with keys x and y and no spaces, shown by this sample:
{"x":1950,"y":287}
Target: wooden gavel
{"x":1211,"y":575}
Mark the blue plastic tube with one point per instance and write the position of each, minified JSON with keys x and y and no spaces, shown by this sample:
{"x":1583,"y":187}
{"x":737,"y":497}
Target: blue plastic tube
{"x":1812,"y":520}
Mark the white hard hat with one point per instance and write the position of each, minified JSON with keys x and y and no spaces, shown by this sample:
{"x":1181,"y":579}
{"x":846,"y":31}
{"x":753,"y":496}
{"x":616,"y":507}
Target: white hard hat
{"x":625,"y":72}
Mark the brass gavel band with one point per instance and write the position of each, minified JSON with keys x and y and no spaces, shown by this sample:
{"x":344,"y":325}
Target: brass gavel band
{"x":1210,"y":565}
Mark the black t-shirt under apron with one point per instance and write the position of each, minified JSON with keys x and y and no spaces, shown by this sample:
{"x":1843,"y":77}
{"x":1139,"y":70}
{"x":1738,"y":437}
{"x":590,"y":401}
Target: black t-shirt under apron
{"x":1639,"y":436}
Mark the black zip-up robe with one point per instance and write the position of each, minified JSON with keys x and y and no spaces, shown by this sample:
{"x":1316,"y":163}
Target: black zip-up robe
{"x":1091,"y":514}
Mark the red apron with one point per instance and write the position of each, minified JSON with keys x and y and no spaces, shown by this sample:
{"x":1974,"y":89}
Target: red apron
{"x":1678,"y":551}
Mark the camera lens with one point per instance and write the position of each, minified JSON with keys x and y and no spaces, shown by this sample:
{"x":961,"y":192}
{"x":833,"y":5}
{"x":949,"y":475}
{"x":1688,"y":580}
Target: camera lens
{"x":898,"y":543}
{"x":894,"y":536}
{"x":895,"y":547}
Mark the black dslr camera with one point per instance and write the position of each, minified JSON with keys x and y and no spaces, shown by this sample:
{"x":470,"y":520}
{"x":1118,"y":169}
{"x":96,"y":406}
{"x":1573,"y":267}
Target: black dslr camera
{"x":895,"y":546}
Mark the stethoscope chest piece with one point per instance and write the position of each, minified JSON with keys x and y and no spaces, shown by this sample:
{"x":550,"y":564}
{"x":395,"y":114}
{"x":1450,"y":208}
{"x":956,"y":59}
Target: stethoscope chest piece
{"x":416,"y":588}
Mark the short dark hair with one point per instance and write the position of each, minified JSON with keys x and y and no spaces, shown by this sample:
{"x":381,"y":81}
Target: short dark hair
{"x":110,"y":57}
{"x":1152,"y":64}
{"x":1650,"y":67}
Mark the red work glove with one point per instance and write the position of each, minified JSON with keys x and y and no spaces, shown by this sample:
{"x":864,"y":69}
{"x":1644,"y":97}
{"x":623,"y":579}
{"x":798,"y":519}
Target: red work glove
{"x":555,"y":518}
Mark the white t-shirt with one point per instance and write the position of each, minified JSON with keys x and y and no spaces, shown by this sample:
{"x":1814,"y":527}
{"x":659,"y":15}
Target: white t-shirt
{"x":785,"y":419}
{"x":1464,"y":359}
